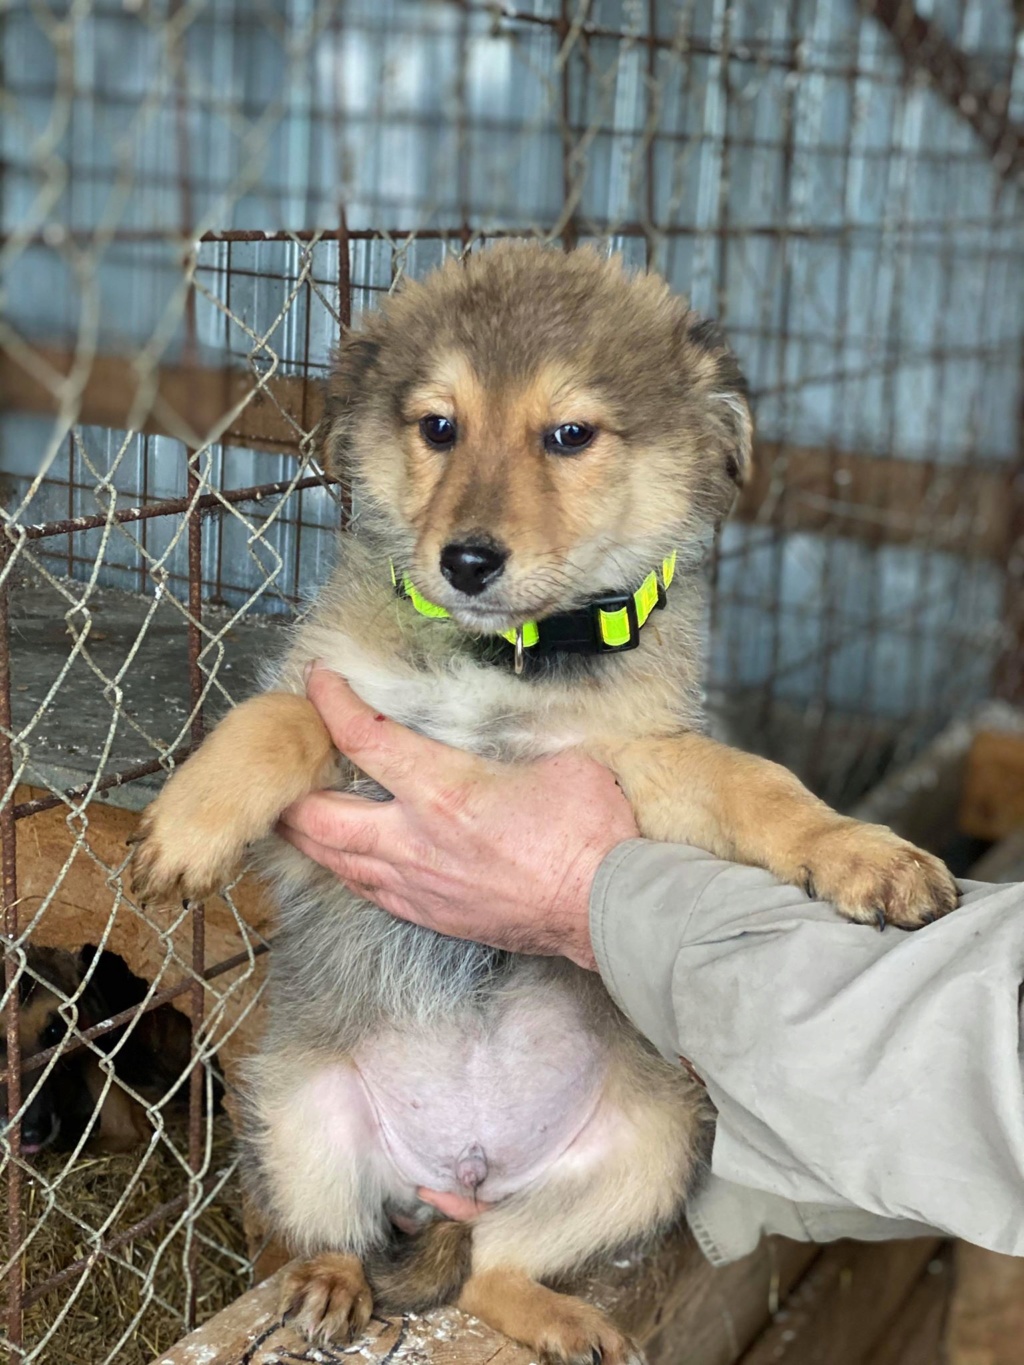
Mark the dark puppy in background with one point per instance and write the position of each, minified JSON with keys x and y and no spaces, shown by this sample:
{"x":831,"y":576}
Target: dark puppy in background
{"x":71,"y":1098}
{"x":540,"y":447}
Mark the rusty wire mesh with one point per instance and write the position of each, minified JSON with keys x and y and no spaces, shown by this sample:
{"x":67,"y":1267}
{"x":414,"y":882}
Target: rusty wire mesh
{"x":197,"y":195}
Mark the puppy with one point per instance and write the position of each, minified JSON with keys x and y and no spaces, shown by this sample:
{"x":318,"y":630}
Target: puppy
{"x":540,"y":447}
{"x":71,"y":1098}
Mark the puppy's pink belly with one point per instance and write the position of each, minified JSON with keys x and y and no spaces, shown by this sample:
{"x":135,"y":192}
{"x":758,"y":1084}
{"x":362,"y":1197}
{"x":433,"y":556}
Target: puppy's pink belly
{"x":483,"y":1112}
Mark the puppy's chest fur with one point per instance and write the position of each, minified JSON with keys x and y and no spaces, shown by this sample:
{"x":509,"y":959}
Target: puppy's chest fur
{"x":428,"y":675}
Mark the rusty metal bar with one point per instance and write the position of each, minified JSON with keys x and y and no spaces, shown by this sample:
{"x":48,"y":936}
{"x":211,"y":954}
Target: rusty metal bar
{"x":9,"y":876}
{"x":650,"y":107}
{"x":785,"y":293}
{"x":198,"y":911}
{"x":628,"y":228}
{"x":146,"y":235}
{"x":562,"y":26}
{"x":84,"y":1263}
{"x":345,"y":317}
{"x":157,"y":1215}
{"x":463,"y":167}
{"x":173,"y":506}
{"x":155,"y":765}
{"x":344,"y":238}
{"x":195,"y":645}
{"x":71,"y":498}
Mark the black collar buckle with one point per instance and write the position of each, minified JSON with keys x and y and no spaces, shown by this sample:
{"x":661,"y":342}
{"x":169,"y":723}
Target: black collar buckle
{"x":580,"y":631}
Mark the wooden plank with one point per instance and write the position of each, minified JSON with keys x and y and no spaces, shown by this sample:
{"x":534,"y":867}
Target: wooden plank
{"x":964,"y":508}
{"x":677,"y":1297}
{"x":993,"y":796}
{"x":75,"y":880}
{"x":250,"y":1332}
{"x":889,"y":501}
{"x":843,"y":1305}
{"x":914,"y":1337}
{"x":190,"y":402}
{"x":986,"y":1312}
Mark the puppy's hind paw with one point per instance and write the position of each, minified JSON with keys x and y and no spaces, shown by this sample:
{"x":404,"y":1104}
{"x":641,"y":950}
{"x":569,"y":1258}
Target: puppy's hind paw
{"x":587,"y":1339}
{"x":563,"y":1330}
{"x":327,"y":1298}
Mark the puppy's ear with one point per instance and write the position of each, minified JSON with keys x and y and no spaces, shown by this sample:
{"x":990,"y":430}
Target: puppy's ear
{"x":728,"y":421}
{"x":353,"y":363}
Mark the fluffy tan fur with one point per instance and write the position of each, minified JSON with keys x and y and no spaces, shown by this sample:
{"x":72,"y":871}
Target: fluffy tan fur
{"x":507,"y":346}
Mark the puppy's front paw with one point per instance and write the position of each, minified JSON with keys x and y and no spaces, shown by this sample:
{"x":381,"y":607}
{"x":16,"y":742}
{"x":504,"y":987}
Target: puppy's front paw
{"x":185,"y":849}
{"x":873,"y":876}
{"x":328,"y":1298}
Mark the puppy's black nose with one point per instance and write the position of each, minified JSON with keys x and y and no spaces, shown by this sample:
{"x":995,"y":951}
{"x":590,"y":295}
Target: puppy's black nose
{"x":37,"y":1125}
{"x":470,"y":568}
{"x":34,"y":1134}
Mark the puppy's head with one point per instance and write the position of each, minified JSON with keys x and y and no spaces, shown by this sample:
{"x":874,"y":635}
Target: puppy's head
{"x":534,"y":428}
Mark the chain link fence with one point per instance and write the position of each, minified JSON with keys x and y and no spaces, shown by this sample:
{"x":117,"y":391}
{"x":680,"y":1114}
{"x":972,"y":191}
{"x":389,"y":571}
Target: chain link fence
{"x":196,"y":197}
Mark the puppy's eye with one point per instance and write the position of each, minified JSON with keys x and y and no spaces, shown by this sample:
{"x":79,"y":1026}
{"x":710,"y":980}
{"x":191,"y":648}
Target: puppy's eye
{"x":569,"y":439}
{"x":53,"y":1032}
{"x":437,"y":431}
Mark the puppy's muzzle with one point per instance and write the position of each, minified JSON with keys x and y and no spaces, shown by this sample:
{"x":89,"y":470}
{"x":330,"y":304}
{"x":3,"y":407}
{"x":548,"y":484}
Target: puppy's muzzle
{"x":469,"y":568}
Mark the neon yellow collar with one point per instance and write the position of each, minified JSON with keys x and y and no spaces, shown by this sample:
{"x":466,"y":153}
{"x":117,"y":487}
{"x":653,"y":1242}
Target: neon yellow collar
{"x":608,"y":624}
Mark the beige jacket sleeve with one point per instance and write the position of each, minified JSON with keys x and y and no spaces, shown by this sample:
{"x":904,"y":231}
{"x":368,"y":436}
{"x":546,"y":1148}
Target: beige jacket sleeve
{"x":867,"y":1085}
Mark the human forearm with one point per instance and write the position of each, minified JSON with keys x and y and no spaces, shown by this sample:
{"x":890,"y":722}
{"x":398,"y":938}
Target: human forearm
{"x":851,"y":1070}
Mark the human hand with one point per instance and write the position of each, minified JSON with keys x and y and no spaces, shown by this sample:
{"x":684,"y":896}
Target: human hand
{"x":499,"y":853}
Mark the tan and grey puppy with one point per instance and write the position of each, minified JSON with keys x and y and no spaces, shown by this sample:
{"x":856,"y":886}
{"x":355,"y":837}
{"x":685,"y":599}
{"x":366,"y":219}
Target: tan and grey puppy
{"x":526,"y":432}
